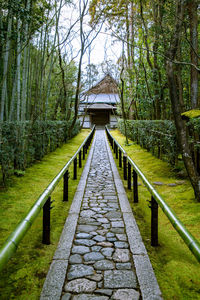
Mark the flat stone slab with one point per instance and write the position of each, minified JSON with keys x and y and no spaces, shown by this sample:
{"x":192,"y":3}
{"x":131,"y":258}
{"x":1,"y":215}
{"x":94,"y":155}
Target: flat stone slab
{"x":80,"y":249}
{"x":126,"y":294}
{"x":122,"y":245}
{"x":104,"y":265}
{"x":99,"y":238}
{"x":121,"y":255}
{"x":83,"y":235}
{"x":93,"y":256}
{"x":77,"y":271}
{"x":86,"y":228}
{"x":80,"y":286}
{"x":85,"y":242}
{"x":119,"y":279}
{"x":75,"y":259}
{"x":89,"y":297}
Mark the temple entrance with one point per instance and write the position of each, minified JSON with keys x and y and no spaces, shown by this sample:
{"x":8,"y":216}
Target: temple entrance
{"x":100,"y":117}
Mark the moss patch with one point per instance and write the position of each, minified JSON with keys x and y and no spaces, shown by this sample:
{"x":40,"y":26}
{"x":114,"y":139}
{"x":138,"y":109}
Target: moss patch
{"x":177,"y":271}
{"x":24,"y":275}
{"x":190,"y":114}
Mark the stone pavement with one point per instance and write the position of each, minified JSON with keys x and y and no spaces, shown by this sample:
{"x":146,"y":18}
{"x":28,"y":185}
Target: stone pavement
{"x":101,"y":254}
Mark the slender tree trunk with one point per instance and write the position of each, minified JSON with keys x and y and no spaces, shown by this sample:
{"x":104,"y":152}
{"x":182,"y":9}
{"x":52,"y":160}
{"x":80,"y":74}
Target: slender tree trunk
{"x":18,"y":69}
{"x":52,"y":59}
{"x":25,"y":66}
{"x":193,"y":17}
{"x":176,"y":105}
{"x":5,"y":66}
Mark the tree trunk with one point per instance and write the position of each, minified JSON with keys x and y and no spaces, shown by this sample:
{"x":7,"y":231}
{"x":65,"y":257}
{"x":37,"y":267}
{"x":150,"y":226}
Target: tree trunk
{"x":176,"y":105}
{"x":5,"y":66}
{"x":193,"y":18}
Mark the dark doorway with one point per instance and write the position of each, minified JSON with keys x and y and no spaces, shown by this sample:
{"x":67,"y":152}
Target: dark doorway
{"x":100,"y":117}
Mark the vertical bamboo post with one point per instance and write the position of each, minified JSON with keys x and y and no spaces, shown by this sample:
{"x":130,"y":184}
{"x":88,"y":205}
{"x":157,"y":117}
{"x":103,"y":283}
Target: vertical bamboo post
{"x":46,"y":222}
{"x":65,"y":185}
{"x":114,"y":146}
{"x":154,"y":222}
{"x":135,"y":187}
{"x":75,"y":168}
{"x":79,"y":160}
{"x":125,"y":166}
{"x":116,"y":153}
{"x":129,"y":176}
{"x":120,"y":158}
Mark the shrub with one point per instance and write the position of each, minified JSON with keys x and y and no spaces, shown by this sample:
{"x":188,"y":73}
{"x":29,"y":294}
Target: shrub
{"x":22,"y":143}
{"x":157,"y":136}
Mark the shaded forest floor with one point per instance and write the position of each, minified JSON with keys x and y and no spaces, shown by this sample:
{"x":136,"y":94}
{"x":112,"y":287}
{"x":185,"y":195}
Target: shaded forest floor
{"x":24,"y":275}
{"x":176,"y":269}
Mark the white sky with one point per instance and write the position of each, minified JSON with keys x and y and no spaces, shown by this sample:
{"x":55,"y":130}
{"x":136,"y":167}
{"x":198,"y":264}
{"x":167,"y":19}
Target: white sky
{"x":101,"y":49}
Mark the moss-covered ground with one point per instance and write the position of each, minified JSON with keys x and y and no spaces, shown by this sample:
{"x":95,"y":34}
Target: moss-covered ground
{"x":177,"y":271}
{"x":24,"y":275}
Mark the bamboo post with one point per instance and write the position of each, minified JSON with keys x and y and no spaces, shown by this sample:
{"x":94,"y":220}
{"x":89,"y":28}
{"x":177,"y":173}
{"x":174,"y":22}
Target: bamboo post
{"x":80,"y":161}
{"x":46,"y":222}
{"x":65,"y":185}
{"x":129,"y":176}
{"x":116,"y":153}
{"x":154,"y":222}
{"x":75,"y":168}
{"x":120,"y":158}
{"x":135,"y":187}
{"x":125,"y":166}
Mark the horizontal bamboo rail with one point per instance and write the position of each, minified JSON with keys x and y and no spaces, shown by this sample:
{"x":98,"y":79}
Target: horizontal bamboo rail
{"x":11,"y":244}
{"x":187,"y":237}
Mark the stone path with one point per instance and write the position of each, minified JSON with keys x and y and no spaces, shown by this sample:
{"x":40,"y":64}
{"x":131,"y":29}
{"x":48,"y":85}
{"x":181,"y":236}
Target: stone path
{"x":104,"y":261}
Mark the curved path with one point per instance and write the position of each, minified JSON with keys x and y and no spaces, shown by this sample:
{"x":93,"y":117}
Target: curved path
{"x":100,"y":254}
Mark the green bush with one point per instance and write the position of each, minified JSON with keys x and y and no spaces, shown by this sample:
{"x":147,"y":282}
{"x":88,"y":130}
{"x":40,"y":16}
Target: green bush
{"x":22,"y":143}
{"x":157,"y":136}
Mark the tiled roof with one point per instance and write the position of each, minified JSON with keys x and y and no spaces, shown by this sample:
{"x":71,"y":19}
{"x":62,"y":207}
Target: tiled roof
{"x":101,"y":98}
{"x":100,"y":106}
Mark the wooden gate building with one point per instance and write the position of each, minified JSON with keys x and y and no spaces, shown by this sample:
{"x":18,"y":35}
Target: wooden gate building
{"x":98,"y":104}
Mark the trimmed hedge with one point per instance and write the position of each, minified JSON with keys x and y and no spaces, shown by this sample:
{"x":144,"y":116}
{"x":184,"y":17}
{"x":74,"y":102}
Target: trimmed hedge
{"x":157,"y":136}
{"x":22,"y":143}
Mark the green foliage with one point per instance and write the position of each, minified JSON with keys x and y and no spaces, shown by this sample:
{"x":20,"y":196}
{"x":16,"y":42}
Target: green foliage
{"x":157,"y":136}
{"x":22,"y":143}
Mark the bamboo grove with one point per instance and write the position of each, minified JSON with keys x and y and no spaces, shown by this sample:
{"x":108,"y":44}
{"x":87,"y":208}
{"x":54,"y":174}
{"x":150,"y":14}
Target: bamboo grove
{"x":39,"y":80}
{"x":159,"y":64}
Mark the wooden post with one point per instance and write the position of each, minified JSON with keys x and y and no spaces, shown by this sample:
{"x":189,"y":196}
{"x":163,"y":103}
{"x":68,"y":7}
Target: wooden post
{"x":129,"y":176}
{"x":125,"y":167}
{"x":135,"y":187}
{"x":116,"y":153}
{"x":79,"y":160}
{"x":120,"y":158}
{"x":154,"y":222}
{"x":75,"y":168}
{"x":65,"y":185}
{"x":114,"y":146}
{"x":46,"y":222}
{"x":84,"y":152}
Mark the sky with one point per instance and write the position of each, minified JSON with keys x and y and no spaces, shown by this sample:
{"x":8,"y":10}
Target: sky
{"x":102,"y":47}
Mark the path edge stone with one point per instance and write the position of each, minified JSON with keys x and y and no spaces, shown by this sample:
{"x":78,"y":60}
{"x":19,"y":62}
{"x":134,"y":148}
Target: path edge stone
{"x":145,"y":274}
{"x":52,"y":288}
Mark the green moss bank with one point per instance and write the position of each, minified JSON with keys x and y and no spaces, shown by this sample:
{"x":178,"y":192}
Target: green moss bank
{"x":177,"y":271}
{"x":24,"y":275}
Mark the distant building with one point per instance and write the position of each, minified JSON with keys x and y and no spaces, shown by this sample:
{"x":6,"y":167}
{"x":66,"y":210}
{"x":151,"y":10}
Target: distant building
{"x":98,"y":104}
